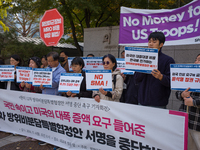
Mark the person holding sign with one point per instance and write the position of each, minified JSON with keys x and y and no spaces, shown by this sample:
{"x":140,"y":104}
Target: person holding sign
{"x":57,"y":69}
{"x":77,"y":65}
{"x":191,"y":104}
{"x":110,"y":63}
{"x":16,"y":61}
{"x":34,"y":62}
{"x":154,"y":88}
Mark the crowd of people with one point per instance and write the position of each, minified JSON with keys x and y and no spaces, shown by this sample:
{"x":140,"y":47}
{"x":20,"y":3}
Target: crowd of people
{"x":151,"y":90}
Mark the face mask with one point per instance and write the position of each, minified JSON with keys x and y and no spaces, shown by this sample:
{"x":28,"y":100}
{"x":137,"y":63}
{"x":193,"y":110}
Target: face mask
{"x":62,"y":59}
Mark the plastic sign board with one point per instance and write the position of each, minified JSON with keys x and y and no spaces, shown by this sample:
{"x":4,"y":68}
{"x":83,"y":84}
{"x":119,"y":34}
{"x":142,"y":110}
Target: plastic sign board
{"x":24,"y":74}
{"x":42,"y":76}
{"x":184,"y":76}
{"x":98,"y":78}
{"x":7,"y":72}
{"x":141,"y":59}
{"x":121,"y":66}
{"x":70,"y":82}
{"x":51,"y":27}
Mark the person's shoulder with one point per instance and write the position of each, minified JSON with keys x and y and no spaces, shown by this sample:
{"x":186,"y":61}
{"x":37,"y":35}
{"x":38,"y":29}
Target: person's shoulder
{"x":168,"y":58}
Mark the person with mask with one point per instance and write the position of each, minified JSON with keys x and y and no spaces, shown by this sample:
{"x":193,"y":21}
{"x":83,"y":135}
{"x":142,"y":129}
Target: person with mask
{"x":64,"y":60}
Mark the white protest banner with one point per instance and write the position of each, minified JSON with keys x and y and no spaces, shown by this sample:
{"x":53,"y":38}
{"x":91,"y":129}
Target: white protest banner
{"x":42,"y":76}
{"x":24,"y":74}
{"x":70,"y":82}
{"x":98,"y":78}
{"x":93,"y":63}
{"x":7,"y":72}
{"x":141,"y":59}
{"x":69,"y":63}
{"x":184,"y":76}
{"x":84,"y":124}
{"x":121,"y":66}
{"x":180,"y":26}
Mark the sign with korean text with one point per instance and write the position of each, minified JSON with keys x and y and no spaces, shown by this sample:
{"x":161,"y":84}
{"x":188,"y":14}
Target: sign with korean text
{"x":184,"y":76}
{"x":7,"y":72}
{"x":121,"y":66}
{"x":93,"y":63}
{"x":42,"y":76}
{"x":70,"y":82}
{"x":51,"y":27}
{"x":98,"y":78}
{"x":141,"y":59}
{"x":180,"y":26}
{"x":24,"y":74}
{"x":84,"y":124}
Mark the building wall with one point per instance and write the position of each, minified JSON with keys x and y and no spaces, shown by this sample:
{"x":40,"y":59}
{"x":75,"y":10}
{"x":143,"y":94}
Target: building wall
{"x":104,"y":40}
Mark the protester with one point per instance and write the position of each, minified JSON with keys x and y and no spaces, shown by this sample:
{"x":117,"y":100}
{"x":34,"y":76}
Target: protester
{"x":64,"y":60}
{"x":34,"y":62}
{"x":90,"y":55}
{"x":154,"y":88}
{"x":192,"y":101}
{"x":77,"y":65}
{"x":44,"y":62}
{"x":57,"y":69}
{"x":123,"y":54}
{"x":16,"y":61}
{"x":2,"y":84}
{"x":110,"y":63}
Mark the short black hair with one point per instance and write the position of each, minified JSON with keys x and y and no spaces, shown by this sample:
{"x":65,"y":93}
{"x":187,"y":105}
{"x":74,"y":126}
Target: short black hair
{"x":1,"y":62}
{"x":90,"y":54}
{"x":198,"y":56}
{"x":112,"y":58}
{"x":55,"y":55}
{"x":17,"y":58}
{"x":44,"y":56}
{"x":157,"y":36}
{"x":78,"y":61}
{"x":64,"y":52}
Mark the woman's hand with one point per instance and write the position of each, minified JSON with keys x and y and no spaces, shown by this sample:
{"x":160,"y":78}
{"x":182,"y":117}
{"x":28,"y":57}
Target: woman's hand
{"x":22,"y":84}
{"x":28,"y":85}
{"x":69,"y":93}
{"x":102,"y":91}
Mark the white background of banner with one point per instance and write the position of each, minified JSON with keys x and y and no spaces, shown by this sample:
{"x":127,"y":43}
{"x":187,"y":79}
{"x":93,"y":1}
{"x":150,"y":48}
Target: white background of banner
{"x":163,"y":129}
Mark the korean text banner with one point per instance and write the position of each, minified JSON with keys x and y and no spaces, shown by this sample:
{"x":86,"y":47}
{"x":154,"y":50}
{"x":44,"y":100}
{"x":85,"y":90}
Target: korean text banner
{"x":84,"y":124}
{"x":184,"y":76}
{"x":181,"y":26}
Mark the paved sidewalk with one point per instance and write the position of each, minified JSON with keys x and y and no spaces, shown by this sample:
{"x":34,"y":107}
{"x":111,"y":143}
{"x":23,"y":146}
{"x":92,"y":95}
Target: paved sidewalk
{"x":10,"y":142}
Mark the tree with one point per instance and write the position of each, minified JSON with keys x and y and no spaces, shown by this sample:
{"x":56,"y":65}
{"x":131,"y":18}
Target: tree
{"x":20,"y":18}
{"x":4,"y":5}
{"x":10,"y":45}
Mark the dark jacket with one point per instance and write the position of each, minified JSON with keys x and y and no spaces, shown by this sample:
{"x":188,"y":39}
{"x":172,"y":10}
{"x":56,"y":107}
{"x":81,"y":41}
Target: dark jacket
{"x":152,"y":91}
{"x":131,"y":93}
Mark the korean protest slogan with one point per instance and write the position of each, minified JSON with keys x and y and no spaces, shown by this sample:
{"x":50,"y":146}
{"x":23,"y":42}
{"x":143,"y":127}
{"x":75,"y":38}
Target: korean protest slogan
{"x":24,"y":74}
{"x":7,"y":72}
{"x":141,"y":59}
{"x":84,"y":124}
{"x":184,"y":76}
{"x":70,"y":82}
{"x":42,"y":76}
{"x":121,"y":66}
{"x":99,"y":78}
{"x":180,"y":26}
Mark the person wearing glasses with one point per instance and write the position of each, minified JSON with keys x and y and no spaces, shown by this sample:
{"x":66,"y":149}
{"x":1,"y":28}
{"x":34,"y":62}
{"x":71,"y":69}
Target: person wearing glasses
{"x":110,"y":63}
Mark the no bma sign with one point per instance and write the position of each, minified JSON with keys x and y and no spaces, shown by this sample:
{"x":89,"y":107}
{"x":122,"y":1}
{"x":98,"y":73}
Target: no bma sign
{"x":51,"y":27}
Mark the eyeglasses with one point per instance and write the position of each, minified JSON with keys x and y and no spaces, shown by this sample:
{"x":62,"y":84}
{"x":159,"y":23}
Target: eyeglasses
{"x":106,"y":62}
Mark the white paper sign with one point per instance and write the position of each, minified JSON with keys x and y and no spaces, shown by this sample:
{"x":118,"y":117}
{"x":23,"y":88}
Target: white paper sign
{"x":42,"y":76}
{"x":98,"y":78}
{"x":93,"y":63}
{"x":24,"y":74}
{"x":141,"y":59}
{"x":121,"y":66}
{"x":70,"y":82}
{"x":184,"y":76}
{"x":84,"y":124}
{"x":7,"y":72}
